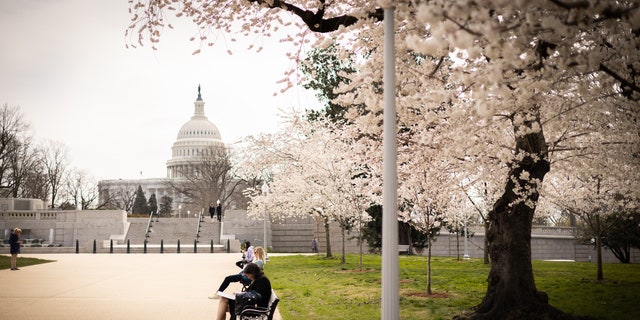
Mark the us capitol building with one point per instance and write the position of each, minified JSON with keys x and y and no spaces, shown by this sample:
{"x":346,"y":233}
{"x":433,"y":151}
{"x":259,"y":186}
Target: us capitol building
{"x":196,"y":137}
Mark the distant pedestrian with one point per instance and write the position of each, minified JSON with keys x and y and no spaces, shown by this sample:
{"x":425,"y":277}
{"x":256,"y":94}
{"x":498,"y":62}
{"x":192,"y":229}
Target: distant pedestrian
{"x":14,"y":242}
{"x":314,"y":245}
{"x":219,"y":211}
{"x":212,"y":211}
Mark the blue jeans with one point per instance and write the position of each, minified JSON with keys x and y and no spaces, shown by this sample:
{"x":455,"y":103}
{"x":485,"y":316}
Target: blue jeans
{"x":233,"y":278}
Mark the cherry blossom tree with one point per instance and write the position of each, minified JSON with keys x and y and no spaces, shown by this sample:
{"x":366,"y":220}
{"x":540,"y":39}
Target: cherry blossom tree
{"x":421,"y":185}
{"x":604,"y":179}
{"x":502,"y":82}
{"x":595,"y":201}
{"x":275,"y":158}
{"x":513,"y":98}
{"x":481,"y":194}
{"x":312,"y":172}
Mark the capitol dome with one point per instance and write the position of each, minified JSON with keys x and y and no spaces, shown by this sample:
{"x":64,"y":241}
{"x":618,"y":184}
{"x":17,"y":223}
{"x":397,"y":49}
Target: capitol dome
{"x":199,"y":129}
{"x":197,"y":138}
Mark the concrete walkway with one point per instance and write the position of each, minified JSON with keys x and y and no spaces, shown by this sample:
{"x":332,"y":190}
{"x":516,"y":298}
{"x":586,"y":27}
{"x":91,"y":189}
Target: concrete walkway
{"x":116,"y":286}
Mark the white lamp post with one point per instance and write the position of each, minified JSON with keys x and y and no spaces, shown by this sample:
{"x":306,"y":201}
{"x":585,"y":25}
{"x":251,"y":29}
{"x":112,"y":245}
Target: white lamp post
{"x":179,"y":211}
{"x":466,"y":231}
{"x":390,"y":267}
{"x":265,"y":191}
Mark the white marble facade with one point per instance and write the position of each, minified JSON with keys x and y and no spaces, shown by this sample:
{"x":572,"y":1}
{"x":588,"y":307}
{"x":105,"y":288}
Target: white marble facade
{"x":196,"y":137}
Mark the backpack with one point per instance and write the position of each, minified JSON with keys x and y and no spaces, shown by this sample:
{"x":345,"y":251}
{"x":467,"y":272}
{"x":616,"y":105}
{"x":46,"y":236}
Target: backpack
{"x":247,"y":299}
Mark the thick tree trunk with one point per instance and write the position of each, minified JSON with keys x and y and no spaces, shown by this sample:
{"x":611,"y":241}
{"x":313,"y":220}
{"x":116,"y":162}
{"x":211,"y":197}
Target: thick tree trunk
{"x":599,"y":273}
{"x":511,"y":291}
{"x":360,"y":245}
{"x":343,"y":256}
{"x":428,"y":265}
{"x":458,"y":245}
{"x":327,"y":235}
{"x":486,"y":243}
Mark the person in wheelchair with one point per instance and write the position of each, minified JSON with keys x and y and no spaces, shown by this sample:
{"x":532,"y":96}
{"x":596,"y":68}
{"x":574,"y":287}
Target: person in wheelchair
{"x":240,"y":277}
{"x":260,"y":284}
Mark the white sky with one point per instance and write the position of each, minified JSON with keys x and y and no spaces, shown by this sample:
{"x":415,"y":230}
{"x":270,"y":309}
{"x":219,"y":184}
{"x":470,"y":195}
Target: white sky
{"x":118,"y":110}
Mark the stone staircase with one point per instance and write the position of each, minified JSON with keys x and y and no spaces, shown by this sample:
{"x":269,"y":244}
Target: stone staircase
{"x":170,"y":230}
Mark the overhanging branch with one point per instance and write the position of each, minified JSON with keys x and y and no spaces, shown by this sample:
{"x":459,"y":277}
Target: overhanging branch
{"x":316,"y":20}
{"x":629,"y":85}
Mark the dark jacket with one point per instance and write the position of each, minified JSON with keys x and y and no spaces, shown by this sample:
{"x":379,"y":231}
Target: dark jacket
{"x":262,"y":285}
{"x":13,"y":242}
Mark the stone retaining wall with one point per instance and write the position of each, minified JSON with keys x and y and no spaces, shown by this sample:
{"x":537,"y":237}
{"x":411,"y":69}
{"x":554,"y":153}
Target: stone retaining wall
{"x":63,"y":228}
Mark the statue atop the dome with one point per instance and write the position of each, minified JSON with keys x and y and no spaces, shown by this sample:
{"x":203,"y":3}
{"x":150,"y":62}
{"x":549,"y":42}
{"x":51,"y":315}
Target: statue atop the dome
{"x":199,"y":96}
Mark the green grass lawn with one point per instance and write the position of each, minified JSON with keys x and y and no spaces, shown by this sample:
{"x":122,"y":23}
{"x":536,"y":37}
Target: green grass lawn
{"x":5,"y":261}
{"x":314,"y":287}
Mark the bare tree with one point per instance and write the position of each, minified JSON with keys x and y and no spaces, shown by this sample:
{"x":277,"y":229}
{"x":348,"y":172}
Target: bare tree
{"x":80,"y":189}
{"x":55,"y":161}
{"x":34,"y":183}
{"x":12,"y":140}
{"x":119,"y":197}
{"x":207,"y":178}
{"x":24,"y":161}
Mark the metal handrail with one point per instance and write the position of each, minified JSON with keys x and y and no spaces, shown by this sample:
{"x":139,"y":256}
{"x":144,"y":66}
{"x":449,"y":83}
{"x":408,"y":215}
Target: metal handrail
{"x":146,"y":234}
{"x":198,"y":226}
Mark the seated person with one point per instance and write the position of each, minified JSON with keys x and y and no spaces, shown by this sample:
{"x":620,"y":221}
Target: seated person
{"x":247,"y":256}
{"x":259,"y":283}
{"x":259,"y":260}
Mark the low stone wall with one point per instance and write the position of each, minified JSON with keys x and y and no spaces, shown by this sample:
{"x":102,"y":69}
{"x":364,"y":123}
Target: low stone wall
{"x":547,"y":243}
{"x":65,"y":227}
{"x":61,"y":229}
{"x":293,"y":235}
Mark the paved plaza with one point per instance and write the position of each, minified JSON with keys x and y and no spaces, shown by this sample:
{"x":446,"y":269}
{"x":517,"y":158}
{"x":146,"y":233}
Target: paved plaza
{"x":116,"y":286}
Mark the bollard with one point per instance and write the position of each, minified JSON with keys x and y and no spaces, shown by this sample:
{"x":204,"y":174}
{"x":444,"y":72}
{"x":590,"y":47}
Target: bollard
{"x":161,"y":245}
{"x":128,"y":246}
{"x":110,"y":245}
{"x":195,"y":246}
{"x":94,"y":245}
{"x":77,"y":246}
{"x":145,"y":246}
{"x":211,"y":245}
{"x":228,"y":246}
{"x":178,"y":246}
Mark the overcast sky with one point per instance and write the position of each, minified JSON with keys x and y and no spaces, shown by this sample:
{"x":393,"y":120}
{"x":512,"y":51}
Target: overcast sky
{"x":118,"y":110}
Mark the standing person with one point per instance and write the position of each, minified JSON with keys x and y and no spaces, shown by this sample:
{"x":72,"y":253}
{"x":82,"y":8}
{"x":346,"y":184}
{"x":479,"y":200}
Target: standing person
{"x":314,"y":245}
{"x":259,"y":283}
{"x":219,"y":211}
{"x":14,"y":242}
{"x":248,"y":255}
{"x":212,"y":211}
